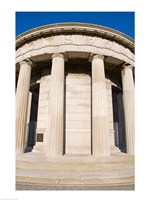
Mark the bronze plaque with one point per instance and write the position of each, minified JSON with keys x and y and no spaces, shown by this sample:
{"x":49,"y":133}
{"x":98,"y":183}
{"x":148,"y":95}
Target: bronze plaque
{"x":40,"y":137}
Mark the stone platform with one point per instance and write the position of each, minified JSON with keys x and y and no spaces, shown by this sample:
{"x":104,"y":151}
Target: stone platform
{"x":36,"y":172}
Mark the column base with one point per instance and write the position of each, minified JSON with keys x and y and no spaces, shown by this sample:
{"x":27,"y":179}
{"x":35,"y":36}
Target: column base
{"x":114,"y":150}
{"x":112,"y":137}
{"x":39,"y":147}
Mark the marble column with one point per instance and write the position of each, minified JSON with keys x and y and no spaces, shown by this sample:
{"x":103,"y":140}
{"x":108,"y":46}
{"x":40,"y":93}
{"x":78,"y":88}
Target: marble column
{"x":100,"y":126}
{"x":22,"y":104}
{"x":128,"y":101}
{"x":55,"y":129}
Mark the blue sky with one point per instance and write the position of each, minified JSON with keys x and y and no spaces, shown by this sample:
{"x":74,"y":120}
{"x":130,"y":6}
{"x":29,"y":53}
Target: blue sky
{"x":121,"y":21}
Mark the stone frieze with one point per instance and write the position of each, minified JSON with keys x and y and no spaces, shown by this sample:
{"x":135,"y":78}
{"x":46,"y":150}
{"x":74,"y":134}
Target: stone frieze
{"x":75,"y":43}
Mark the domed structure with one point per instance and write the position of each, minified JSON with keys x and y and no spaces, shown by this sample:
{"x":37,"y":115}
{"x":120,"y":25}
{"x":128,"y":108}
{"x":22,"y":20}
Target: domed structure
{"x":75,"y":91}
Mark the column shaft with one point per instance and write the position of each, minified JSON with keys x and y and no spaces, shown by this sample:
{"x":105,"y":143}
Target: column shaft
{"x":128,"y":100}
{"x":55,"y":129}
{"x":100,"y":128}
{"x":22,"y":104}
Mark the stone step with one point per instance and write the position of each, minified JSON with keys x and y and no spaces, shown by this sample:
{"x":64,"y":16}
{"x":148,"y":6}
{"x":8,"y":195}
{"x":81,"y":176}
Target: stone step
{"x":34,"y":168}
{"x":74,"y":159}
{"x":88,"y":174}
{"x":77,"y":164}
{"x":76,"y":181}
{"x":75,"y":167}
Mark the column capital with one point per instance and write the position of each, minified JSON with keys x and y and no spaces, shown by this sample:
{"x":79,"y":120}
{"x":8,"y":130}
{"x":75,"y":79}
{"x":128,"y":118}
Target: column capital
{"x":93,"y":56}
{"x":57,"y":55}
{"x":26,"y":61}
{"x":125,"y":65}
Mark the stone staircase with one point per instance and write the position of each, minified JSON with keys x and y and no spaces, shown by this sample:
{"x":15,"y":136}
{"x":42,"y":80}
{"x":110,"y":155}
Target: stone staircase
{"x":69,"y":172}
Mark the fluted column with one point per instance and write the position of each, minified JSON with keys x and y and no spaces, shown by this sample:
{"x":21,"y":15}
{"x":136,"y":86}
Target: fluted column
{"x":100,"y":127}
{"x":128,"y":101}
{"x":54,"y":146}
{"x":22,"y":104}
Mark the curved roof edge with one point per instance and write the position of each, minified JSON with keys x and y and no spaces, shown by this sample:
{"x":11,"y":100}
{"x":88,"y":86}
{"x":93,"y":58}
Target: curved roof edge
{"x":73,"y":27}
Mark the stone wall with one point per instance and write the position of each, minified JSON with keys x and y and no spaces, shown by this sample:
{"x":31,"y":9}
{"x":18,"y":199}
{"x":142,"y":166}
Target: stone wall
{"x":78,"y":114}
{"x":43,"y":106}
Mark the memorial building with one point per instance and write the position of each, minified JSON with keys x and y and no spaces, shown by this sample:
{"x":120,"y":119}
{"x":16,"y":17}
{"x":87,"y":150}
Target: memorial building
{"x":74,"y":91}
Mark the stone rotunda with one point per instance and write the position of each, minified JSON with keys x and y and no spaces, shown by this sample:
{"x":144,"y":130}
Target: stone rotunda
{"x":74,"y":97}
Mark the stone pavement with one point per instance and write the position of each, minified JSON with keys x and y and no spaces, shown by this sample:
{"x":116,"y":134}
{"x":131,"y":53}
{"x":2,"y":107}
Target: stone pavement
{"x":68,"y":187}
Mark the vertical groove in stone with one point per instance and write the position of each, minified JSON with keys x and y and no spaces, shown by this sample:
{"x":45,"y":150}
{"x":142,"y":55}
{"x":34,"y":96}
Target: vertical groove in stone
{"x":22,"y":104}
{"x":100,"y":129}
{"x":54,"y":146}
{"x":128,"y":100}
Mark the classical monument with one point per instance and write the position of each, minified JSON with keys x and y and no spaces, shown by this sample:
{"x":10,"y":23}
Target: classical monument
{"x":74,"y":96}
